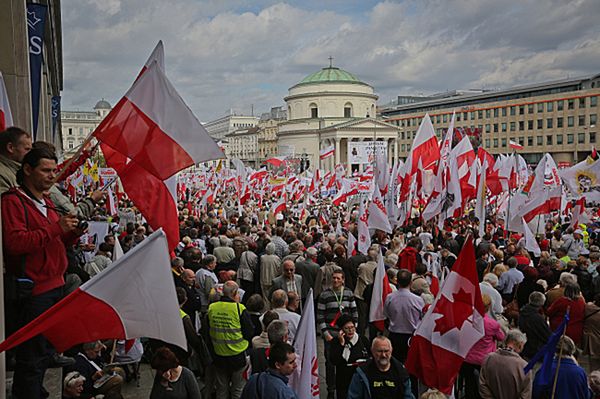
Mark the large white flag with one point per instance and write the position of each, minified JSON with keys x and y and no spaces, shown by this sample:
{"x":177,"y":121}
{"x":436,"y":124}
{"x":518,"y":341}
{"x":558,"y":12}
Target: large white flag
{"x":305,"y":379}
{"x":378,"y":218}
{"x":530,"y":242}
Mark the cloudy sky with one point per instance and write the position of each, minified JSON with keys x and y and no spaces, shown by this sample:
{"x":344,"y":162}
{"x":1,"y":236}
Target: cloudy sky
{"x":232,"y":54}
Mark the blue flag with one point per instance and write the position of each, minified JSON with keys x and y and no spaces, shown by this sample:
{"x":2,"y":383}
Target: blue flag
{"x":36,"y":20}
{"x":55,"y":114}
{"x":547,"y":352}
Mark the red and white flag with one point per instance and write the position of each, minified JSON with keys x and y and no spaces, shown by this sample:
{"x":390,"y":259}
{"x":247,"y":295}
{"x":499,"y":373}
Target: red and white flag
{"x":122,"y":307}
{"x":378,"y":218}
{"x":111,"y":202}
{"x":531,"y":243}
{"x":514,"y":145}
{"x":153,"y":126}
{"x":381,"y":289}
{"x":364,"y":238}
{"x":451,"y":326}
{"x":280,"y":205}
{"x":6,"y":119}
{"x":327,"y":152}
{"x":305,"y":379}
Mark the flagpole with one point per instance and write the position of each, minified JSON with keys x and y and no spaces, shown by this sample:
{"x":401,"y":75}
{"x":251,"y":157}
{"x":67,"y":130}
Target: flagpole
{"x":509,"y":196}
{"x":559,"y":357}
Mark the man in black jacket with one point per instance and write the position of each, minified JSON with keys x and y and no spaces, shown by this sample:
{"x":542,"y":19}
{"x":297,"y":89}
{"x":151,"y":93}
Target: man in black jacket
{"x":533,"y":324}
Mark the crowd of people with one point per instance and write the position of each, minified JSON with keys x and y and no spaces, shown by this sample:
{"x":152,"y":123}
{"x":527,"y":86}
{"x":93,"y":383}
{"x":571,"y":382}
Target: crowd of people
{"x":242,"y":279}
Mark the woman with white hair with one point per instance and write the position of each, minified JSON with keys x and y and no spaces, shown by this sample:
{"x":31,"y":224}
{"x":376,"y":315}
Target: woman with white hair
{"x":73,"y":385}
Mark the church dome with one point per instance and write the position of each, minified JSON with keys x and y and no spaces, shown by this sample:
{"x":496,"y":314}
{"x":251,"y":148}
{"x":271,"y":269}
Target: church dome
{"x":330,"y":75}
{"x":103,"y":104}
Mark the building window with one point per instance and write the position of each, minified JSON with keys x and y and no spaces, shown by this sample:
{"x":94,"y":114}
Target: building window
{"x":495,"y":143}
{"x":570,"y":121}
{"x":521,"y":110}
{"x":314,"y":111}
{"x":549,"y":139}
{"x":570,"y":138}
{"x":438,"y":118}
{"x":348,"y":110}
{"x":559,"y":139}
{"x":458,"y":117}
{"x":513,"y":111}
{"x":592,"y":137}
{"x":403,"y":147}
{"x":504,"y":111}
{"x":513,"y":126}
{"x":488,"y":113}
{"x":540,"y":124}
{"x":571,"y":104}
{"x":487,"y":143}
{"x":401,"y":135}
{"x":71,"y":145}
{"x":480,"y":114}
{"x":488,"y":128}
{"x":582,"y":102}
{"x":80,"y":130}
{"x":530,"y":108}
{"x":540,"y":140}
{"x":530,"y":141}
{"x":549,"y":123}
{"x":522,"y":140}
{"x":581,"y":120}
{"x":465,"y":116}
{"x":504,"y":127}
{"x":540,"y":107}
{"x":70,"y":131}
{"x":559,"y":105}
{"x":550,"y":106}
{"x":473,"y":115}
{"x":581,"y":138}
{"x":504,"y":142}
{"x":495,"y":112}
{"x":594,"y":101}
{"x":521,"y":125}
{"x":445,"y":118}
{"x":559,"y":122}
{"x":530,"y":125}
{"x":495,"y":128}
{"x":593,"y":119}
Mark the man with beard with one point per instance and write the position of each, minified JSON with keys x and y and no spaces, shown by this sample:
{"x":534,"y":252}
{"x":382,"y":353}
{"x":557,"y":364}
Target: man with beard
{"x":382,"y":377}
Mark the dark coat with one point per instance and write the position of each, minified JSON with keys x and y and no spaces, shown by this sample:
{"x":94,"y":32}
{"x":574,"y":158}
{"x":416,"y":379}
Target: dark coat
{"x":534,"y":325}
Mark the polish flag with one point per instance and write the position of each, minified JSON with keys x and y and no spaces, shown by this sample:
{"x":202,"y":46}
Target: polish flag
{"x":378,"y":218}
{"x":305,"y":379}
{"x":578,"y":211}
{"x":541,"y":203}
{"x":6,"y":119}
{"x":364,"y":238}
{"x":122,"y":307}
{"x":514,"y":145}
{"x":327,"y":152}
{"x":451,"y":326}
{"x":381,"y":289}
{"x":154,"y":127}
{"x":276,"y":161}
{"x":280,"y":206}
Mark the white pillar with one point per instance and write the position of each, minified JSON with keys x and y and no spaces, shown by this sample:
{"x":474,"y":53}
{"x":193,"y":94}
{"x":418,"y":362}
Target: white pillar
{"x":396,"y":150}
{"x":338,"y":148}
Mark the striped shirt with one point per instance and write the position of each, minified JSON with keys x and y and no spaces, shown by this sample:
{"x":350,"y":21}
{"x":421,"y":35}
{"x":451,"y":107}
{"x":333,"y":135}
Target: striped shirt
{"x":328,"y":306}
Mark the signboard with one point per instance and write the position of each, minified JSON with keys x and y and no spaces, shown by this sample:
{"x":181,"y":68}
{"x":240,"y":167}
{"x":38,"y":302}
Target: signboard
{"x":363,"y":152}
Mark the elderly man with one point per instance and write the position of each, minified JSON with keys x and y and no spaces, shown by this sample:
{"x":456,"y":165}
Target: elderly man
{"x":308,"y":269}
{"x":270,"y":267}
{"x":277,"y":331}
{"x":230,"y":329}
{"x":365,"y":277}
{"x":381,"y":377}
{"x":533,"y":323}
{"x":488,"y":287}
{"x":289,"y":280}
{"x":404,"y":311}
{"x":223,"y":252}
{"x":177,"y":270}
{"x":501,"y":375}
{"x":510,"y":279}
{"x":279,"y":302}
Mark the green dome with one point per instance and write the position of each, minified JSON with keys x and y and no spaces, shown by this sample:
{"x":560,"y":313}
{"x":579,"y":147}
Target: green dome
{"x":330,"y":74}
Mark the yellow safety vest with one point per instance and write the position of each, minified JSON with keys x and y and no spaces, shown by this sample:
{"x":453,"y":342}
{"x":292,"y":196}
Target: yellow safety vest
{"x":226,"y":328}
{"x":182,"y":313}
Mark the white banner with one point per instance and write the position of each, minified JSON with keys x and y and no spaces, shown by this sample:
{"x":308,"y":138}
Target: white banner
{"x":363,"y":152}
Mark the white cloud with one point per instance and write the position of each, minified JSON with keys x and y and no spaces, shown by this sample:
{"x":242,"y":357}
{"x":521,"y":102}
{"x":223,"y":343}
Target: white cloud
{"x":222,"y":54}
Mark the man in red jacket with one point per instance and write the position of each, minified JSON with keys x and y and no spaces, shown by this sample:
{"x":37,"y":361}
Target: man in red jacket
{"x":34,"y":239}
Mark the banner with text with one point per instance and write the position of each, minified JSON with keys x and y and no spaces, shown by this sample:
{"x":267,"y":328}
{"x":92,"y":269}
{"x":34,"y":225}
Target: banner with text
{"x":363,"y":152}
{"x":36,"y":20}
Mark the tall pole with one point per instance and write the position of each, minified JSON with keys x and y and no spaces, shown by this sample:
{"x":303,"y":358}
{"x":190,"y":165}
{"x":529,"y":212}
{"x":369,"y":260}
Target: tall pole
{"x":560,"y":352}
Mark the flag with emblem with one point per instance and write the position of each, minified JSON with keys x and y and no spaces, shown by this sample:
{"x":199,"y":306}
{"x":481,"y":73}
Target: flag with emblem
{"x":451,"y":326}
{"x":364,"y":238}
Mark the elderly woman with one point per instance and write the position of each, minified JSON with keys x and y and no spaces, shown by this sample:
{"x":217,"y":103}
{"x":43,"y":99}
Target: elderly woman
{"x":73,"y":385}
{"x":347,"y":353}
{"x":591,"y":332}
{"x":172,"y":380}
{"x":486,"y":345}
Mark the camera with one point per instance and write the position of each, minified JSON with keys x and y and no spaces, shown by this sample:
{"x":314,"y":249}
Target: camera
{"x":82,"y":225}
